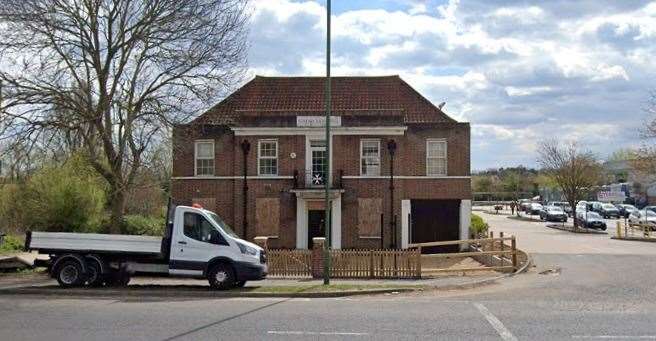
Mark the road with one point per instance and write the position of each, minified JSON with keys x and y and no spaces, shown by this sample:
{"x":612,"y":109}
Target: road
{"x":603,"y":289}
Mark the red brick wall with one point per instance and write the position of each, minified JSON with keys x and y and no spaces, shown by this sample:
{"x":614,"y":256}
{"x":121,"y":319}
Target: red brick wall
{"x":410,"y":160}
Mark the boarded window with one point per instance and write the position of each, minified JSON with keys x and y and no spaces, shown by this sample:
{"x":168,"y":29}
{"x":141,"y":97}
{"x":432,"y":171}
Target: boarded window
{"x":369,"y":210}
{"x":267,"y":219}
{"x":207,"y":203}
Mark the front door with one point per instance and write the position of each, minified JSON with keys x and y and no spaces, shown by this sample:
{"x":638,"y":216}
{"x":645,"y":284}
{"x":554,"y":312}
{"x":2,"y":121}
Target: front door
{"x":316,"y":225}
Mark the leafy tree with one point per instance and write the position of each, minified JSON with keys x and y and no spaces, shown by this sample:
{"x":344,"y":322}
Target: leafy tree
{"x":110,"y":77}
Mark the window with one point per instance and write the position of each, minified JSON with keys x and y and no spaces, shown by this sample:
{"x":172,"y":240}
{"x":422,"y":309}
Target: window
{"x":369,"y":210}
{"x":204,"y":158}
{"x":198,"y":228}
{"x":370,"y":157}
{"x":436,"y":157}
{"x":267,"y":157}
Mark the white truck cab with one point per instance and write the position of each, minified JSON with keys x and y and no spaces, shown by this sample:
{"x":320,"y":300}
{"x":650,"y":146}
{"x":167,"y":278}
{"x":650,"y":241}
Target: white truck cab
{"x":205,"y":239}
{"x":197,"y":244}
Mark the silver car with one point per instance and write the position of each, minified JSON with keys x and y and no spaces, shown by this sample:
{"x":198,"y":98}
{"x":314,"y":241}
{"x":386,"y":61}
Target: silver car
{"x":643,"y":217}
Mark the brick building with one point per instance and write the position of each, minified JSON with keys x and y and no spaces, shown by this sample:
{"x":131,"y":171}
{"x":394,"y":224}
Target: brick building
{"x":257,"y":158}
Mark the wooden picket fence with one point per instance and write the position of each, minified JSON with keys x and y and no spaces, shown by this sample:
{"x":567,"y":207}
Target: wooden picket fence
{"x":493,"y":253}
{"x":375,"y":264}
{"x":289,"y":263}
{"x":485,"y":250}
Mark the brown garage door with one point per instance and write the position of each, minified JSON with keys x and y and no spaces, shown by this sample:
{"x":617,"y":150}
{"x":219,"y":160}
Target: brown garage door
{"x":435,"y":220}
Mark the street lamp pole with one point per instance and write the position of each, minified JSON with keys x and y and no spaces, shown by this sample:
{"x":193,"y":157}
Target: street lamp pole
{"x":327,"y":181}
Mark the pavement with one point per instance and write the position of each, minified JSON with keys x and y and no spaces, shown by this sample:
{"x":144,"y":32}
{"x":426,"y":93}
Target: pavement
{"x":583,"y":287}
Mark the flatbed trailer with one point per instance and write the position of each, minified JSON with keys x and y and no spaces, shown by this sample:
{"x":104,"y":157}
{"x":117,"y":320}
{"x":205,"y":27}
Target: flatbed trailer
{"x":197,"y":244}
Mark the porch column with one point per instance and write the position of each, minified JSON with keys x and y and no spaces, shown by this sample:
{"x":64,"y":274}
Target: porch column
{"x":336,"y":226}
{"x":405,"y":223}
{"x":301,"y":224}
{"x":465,"y":221}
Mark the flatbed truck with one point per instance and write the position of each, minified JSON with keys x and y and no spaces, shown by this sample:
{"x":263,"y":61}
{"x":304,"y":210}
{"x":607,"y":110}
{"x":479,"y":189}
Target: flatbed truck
{"x":197,"y":244}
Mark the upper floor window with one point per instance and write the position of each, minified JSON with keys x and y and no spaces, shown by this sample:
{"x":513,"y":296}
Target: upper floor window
{"x":370,"y":157}
{"x":267,"y":157}
{"x":204,"y":155}
{"x":436,"y":157}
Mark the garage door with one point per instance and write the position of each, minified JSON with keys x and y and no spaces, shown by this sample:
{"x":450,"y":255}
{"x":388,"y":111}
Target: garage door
{"x":435,"y":220}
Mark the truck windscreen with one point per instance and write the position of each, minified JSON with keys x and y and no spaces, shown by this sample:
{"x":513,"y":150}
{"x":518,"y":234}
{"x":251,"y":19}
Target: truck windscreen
{"x":224,"y":226}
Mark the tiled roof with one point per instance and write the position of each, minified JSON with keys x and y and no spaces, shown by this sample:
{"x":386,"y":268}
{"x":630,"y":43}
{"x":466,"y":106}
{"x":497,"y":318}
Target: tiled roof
{"x":290,"y":96}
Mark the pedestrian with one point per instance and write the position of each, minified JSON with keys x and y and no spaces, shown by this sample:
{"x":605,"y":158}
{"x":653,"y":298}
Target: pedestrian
{"x":512,"y":208}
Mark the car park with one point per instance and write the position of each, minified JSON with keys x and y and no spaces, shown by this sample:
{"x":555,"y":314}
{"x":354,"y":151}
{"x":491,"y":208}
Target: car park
{"x":553,"y":213}
{"x":625,"y":209}
{"x":591,"y":219}
{"x":534,"y":209}
{"x":606,"y":210}
{"x":641,"y":217}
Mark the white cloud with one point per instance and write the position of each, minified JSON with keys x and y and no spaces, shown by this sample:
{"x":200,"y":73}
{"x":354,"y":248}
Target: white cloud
{"x":518,"y":73}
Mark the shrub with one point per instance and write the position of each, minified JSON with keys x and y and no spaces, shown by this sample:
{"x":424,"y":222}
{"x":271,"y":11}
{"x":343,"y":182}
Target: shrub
{"x":11,"y":243}
{"x":11,"y":208}
{"x":142,"y":225}
{"x":70,"y":198}
{"x":478,"y":226}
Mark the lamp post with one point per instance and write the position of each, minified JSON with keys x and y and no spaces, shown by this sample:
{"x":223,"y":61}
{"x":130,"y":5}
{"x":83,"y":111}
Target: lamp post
{"x":245,"y":148}
{"x":391,"y":147}
{"x":326,"y":254}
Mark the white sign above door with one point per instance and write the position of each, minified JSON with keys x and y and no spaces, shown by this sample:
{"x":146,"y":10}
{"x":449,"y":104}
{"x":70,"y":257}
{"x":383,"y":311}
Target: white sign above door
{"x":318,"y":121}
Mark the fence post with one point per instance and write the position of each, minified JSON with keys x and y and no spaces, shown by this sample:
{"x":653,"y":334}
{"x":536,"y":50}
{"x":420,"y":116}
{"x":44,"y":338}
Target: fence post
{"x":371,"y":263}
{"x":501,"y":255}
{"x":619,"y":230}
{"x":317,"y":257}
{"x":513,"y":248}
{"x":262,"y":242}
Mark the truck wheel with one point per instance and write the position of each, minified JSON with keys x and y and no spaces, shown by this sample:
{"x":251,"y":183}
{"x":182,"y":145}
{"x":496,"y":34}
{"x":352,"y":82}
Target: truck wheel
{"x":240,"y":284}
{"x":94,"y":275}
{"x":221,"y":276}
{"x":70,"y":274}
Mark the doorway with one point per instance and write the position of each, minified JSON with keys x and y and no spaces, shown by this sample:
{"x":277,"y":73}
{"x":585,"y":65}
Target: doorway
{"x":434,"y":221}
{"x":316,"y":225}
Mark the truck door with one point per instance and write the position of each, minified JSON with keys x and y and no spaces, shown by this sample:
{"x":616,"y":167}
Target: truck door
{"x":195,"y":242}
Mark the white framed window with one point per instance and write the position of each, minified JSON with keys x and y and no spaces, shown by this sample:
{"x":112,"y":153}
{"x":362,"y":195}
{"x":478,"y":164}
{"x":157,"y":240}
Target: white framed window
{"x":267,"y":157}
{"x":204,"y":158}
{"x":436,"y":157}
{"x":370,"y":157}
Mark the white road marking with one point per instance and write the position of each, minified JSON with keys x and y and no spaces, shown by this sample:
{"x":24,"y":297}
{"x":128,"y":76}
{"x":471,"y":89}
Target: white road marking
{"x":505,"y":334}
{"x":615,"y":337}
{"x":298,"y":332}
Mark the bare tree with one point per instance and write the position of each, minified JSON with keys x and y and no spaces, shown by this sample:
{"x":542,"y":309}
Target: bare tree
{"x":115,"y":73}
{"x":574,"y":170}
{"x":644,"y":159}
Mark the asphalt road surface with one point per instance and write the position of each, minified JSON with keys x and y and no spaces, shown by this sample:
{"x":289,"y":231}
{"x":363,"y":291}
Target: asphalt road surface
{"x":592,"y":288}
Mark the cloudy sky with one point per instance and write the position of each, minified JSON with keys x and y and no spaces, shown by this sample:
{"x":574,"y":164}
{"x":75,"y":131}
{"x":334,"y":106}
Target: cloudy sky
{"x":519,"y":71}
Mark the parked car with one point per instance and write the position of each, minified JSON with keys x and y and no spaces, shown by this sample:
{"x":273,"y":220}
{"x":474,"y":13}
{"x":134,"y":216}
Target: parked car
{"x":581,"y":205}
{"x":553,"y":213}
{"x":524,"y":205}
{"x":650,"y":208}
{"x":643,"y":217}
{"x":625,"y":209}
{"x":534,"y":209}
{"x":564,"y":205}
{"x":591,"y":220}
{"x":606,"y":210}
